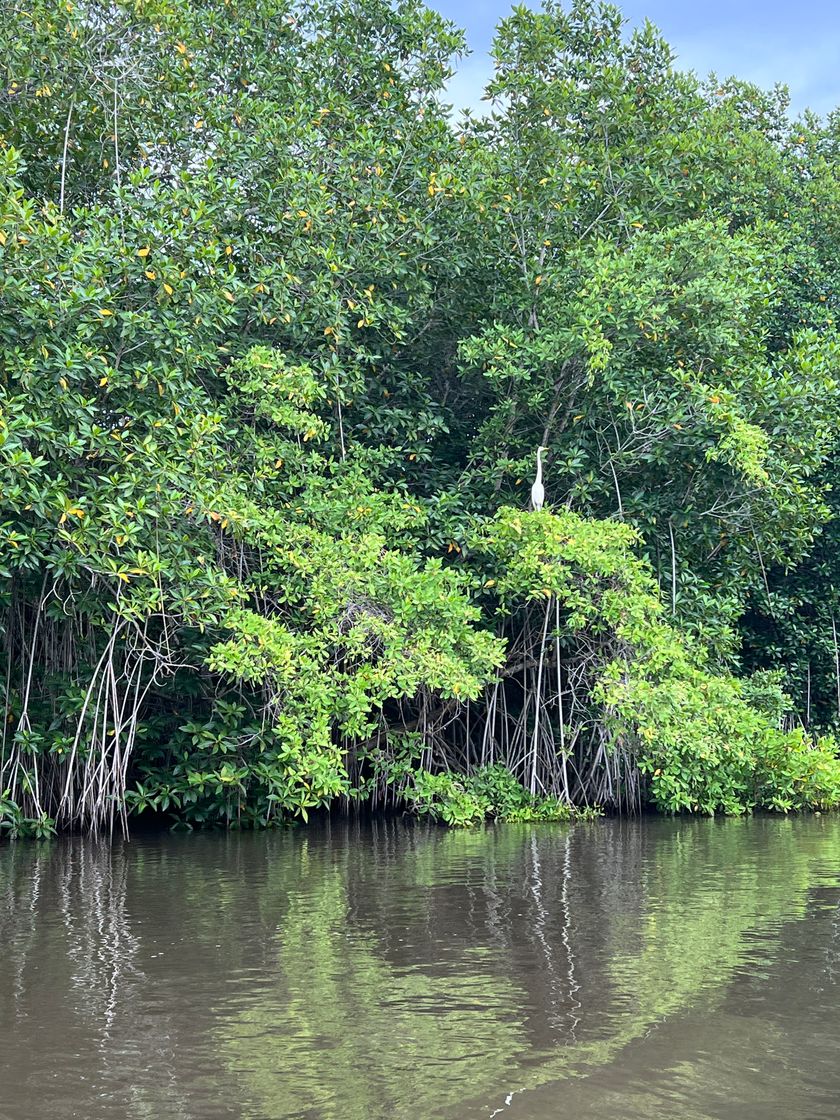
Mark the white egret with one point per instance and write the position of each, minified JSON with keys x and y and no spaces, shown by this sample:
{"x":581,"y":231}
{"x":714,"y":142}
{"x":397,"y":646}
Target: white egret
{"x":538,"y":490}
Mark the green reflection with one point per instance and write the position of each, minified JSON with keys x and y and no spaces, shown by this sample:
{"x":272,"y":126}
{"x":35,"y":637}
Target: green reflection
{"x":355,"y":1027}
{"x":347,"y":1035}
{"x":707,"y":887}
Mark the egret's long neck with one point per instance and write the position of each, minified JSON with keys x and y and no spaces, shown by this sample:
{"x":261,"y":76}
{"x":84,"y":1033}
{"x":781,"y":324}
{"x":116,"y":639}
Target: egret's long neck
{"x":539,"y":464}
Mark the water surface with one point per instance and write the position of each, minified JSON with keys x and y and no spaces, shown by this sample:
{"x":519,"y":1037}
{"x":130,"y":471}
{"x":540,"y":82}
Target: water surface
{"x":382,"y":971}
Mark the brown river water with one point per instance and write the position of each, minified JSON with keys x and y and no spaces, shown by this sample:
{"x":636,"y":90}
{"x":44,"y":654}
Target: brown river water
{"x":389,"y":971}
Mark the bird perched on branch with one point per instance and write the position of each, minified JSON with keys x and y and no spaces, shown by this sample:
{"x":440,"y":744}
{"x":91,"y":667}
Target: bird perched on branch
{"x":538,"y":490}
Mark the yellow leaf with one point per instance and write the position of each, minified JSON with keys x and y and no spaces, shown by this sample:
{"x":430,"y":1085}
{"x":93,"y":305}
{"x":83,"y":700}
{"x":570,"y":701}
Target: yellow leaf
{"x":2,"y":238}
{"x":144,"y":252}
{"x":123,"y":577}
{"x":103,"y":381}
{"x":168,"y":289}
{"x":62,"y":382}
{"x":150,"y":275}
{"x":180,"y":48}
{"x":228,"y":250}
{"x":104,"y":312}
{"x":229,"y":297}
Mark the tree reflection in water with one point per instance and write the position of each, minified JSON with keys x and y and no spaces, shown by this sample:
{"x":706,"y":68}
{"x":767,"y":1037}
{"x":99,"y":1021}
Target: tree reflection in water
{"x":382,"y":970}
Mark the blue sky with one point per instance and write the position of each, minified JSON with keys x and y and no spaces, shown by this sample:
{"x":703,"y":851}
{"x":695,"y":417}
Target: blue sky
{"x":796,"y":42}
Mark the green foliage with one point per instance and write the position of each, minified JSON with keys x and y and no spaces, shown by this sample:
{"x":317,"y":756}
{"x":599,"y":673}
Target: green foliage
{"x":15,"y":825}
{"x":511,"y":802}
{"x":793,"y":773}
{"x":704,"y":747}
{"x":490,"y":792}
{"x":278,"y":340}
{"x":449,"y":799}
{"x":184,"y":518}
{"x":706,"y":741}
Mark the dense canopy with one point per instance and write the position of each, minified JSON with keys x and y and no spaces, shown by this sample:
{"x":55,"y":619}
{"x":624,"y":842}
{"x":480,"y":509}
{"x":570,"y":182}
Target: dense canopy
{"x":280,"y":334}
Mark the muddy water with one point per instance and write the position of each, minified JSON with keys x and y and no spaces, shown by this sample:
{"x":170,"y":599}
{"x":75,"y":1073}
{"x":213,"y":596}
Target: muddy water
{"x":385,"y":971}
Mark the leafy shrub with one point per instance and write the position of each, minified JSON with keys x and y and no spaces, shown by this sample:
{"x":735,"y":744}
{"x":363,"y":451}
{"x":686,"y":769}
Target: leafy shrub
{"x":793,"y":772}
{"x":16,"y":826}
{"x":490,"y":792}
